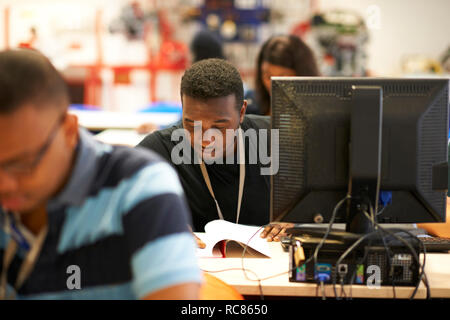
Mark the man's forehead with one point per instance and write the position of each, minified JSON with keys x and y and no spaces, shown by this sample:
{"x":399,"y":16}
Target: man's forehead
{"x":194,"y":101}
{"x":23,"y":129}
{"x":38,"y":116}
{"x":209,"y":109}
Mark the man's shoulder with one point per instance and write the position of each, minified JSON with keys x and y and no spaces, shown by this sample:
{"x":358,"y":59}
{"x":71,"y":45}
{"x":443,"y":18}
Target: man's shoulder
{"x":166,"y":133}
{"x":160,"y":141}
{"x":123,"y":163}
{"x":256,"y":122}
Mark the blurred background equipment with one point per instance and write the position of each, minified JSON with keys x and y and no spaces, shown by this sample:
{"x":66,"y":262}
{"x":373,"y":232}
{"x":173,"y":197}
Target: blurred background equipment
{"x":131,"y":21}
{"x":446,"y":61}
{"x":341,"y":37}
{"x":419,"y":65}
{"x":129,"y":55}
{"x":205,"y":45}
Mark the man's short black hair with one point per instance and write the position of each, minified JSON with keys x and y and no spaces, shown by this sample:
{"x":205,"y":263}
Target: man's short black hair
{"x":28,"y":77}
{"x":213,"y":78}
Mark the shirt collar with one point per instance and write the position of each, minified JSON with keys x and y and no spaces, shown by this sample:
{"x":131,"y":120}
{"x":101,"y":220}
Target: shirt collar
{"x":83,"y":172}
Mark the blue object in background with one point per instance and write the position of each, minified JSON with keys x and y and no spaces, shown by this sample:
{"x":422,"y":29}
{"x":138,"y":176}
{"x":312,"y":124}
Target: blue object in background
{"x":157,"y":107}
{"x":84,"y":107}
{"x":163,"y":107}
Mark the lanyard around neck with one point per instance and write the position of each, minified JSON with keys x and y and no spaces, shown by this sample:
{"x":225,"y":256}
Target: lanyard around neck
{"x":23,"y":238}
{"x":241,"y":178}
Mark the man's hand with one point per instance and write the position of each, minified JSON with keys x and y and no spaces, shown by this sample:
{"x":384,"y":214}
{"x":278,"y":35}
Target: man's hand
{"x":275,"y":231}
{"x":146,"y":128}
{"x":441,"y":230}
{"x":183,"y":291}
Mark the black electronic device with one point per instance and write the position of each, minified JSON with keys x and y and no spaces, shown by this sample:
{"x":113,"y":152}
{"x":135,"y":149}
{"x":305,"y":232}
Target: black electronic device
{"x":435,"y":244}
{"x":361,"y":151}
{"x":338,"y":135}
{"x":395,"y":264}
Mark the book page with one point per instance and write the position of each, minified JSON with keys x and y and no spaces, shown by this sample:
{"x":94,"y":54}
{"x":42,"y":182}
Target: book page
{"x":219,"y":230}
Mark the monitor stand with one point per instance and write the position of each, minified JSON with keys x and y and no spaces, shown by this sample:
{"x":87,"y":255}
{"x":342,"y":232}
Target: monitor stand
{"x":364,"y":160}
{"x":364,"y":166}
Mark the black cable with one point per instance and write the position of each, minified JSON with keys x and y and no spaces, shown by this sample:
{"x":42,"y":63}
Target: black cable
{"x":346,"y":253}
{"x":318,"y":247}
{"x":389,"y":264}
{"x":342,"y":289}
{"x":388,"y":254}
{"x":360,"y":261}
{"x":240,"y":269}
{"x":314,"y":256}
{"x":324,"y":297}
{"x":353,"y":274}
{"x":333,"y":217}
{"x":422,"y":276}
{"x":242,"y":262}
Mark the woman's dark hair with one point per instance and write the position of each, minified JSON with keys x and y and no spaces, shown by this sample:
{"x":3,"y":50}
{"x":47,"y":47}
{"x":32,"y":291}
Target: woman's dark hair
{"x":206,"y":45}
{"x":286,"y":51}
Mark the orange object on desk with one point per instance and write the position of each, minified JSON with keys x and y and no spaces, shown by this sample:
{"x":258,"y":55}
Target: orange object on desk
{"x":215,"y":289}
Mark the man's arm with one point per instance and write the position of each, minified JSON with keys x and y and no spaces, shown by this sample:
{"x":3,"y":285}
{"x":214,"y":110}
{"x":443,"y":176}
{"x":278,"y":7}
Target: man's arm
{"x":155,"y":141}
{"x":185,"y":291}
{"x":163,"y":252}
{"x":439,"y":229}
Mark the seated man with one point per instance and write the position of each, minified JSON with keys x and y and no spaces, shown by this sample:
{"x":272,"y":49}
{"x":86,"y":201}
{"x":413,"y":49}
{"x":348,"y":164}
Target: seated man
{"x":440,"y":229}
{"x":80,"y":219}
{"x":220,"y":184}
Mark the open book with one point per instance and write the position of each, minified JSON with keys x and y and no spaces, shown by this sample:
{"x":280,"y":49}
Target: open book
{"x":227,"y":239}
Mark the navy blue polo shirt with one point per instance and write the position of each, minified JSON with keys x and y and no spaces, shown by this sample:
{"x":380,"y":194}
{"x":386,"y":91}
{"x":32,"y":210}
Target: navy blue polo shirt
{"x":121,"y":219}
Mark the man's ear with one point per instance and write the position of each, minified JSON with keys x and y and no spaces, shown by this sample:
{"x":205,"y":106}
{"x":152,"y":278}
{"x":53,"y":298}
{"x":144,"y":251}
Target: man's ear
{"x":71,"y":130}
{"x":243,"y":111}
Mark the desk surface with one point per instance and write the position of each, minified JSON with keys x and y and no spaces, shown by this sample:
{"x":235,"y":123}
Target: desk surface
{"x":437,"y":269}
{"x":124,"y":137}
{"x":101,"y":120}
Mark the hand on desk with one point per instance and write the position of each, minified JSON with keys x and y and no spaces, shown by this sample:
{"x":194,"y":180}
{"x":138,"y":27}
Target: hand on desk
{"x":274,"y":231}
{"x":146,"y":128}
{"x":441,"y":230}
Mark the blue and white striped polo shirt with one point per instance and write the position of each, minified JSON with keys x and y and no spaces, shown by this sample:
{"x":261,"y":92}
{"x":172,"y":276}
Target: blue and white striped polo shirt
{"x":121,"y":219}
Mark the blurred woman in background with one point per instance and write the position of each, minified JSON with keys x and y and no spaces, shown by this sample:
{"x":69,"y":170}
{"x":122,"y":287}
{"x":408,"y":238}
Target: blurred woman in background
{"x":282,"y":55}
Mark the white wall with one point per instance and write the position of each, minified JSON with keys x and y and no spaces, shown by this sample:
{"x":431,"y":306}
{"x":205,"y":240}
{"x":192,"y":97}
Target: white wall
{"x":406,"y":27}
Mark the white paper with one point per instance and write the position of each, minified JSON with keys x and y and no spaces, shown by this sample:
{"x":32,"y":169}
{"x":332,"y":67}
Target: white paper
{"x":219,"y":230}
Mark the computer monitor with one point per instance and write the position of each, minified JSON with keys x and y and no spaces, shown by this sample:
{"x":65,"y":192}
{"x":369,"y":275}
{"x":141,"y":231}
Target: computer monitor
{"x":381,"y":140}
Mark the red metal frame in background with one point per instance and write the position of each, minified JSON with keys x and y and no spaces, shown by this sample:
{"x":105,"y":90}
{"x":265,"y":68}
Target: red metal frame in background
{"x":6,"y":27}
{"x":93,"y":81}
{"x":163,"y":60}
{"x":157,"y":62}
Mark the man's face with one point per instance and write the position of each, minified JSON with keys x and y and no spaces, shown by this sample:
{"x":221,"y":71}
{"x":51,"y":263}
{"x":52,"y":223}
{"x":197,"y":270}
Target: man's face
{"x":269,"y":70}
{"x":218,"y":114}
{"x":36,"y":149}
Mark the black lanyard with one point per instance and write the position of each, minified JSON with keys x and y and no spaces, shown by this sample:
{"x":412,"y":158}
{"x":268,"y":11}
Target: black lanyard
{"x":20,"y":237}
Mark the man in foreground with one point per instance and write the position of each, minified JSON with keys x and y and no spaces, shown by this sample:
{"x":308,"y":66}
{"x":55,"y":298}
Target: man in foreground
{"x":80,"y":219}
